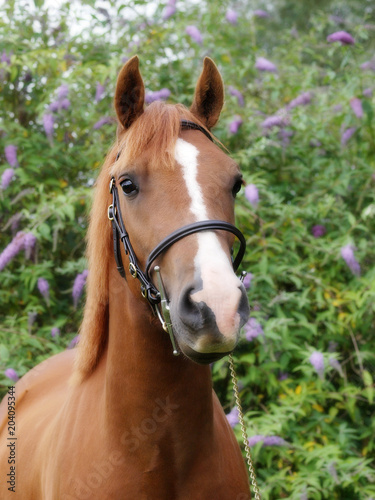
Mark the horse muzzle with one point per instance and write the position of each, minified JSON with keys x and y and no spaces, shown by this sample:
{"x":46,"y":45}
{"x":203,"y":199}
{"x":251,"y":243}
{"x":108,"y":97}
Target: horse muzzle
{"x":207,"y":330}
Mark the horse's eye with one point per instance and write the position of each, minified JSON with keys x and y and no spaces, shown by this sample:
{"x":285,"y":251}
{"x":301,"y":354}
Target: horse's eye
{"x":129,"y":187}
{"x":237,"y":187}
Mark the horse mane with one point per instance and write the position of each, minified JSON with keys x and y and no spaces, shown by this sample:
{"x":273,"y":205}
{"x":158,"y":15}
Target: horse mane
{"x":156,"y":130}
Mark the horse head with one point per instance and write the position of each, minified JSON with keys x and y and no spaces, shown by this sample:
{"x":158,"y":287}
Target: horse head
{"x":167,"y":176}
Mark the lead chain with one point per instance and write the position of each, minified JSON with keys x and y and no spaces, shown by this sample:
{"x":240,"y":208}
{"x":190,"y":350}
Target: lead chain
{"x":243,"y":430}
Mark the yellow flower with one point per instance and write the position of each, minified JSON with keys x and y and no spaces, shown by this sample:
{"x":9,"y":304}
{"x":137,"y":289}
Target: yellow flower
{"x":318,"y":408}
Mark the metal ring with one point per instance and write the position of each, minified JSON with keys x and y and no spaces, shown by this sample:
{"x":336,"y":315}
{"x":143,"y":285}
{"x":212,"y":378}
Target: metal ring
{"x":111,"y":212}
{"x":133,"y":270}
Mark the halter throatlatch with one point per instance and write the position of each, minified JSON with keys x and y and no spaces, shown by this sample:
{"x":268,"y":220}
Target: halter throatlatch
{"x":156,"y":295}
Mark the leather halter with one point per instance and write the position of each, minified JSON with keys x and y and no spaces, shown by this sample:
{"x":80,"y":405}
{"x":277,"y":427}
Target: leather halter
{"x":148,"y":289}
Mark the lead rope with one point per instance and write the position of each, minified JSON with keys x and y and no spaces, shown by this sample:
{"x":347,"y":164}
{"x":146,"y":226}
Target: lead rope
{"x":243,"y":430}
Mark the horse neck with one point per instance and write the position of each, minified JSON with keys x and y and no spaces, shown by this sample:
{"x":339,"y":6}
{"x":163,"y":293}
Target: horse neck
{"x":142,"y":374}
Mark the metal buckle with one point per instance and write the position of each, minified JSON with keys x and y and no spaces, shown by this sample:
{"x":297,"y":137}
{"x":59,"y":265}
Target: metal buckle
{"x":133,"y":270}
{"x":111,"y":212}
{"x":111,"y":185}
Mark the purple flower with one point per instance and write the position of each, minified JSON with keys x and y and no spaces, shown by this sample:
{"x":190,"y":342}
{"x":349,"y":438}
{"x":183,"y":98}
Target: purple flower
{"x":7,"y":177}
{"x":14,"y":222}
{"x":263,"y":64}
{"x":5,"y":58}
{"x":283,"y":376}
{"x":235,"y":124}
{"x":48,"y":122}
{"x":337,"y":108}
{"x":252,"y":194}
{"x":237,"y":93}
{"x":341,"y":36}
{"x":231,"y":16}
{"x":267,"y":440}
{"x":247,"y":280}
{"x":253,"y":440}
{"x":261,"y":13}
{"x":73,"y":342}
{"x":54,"y":106}
{"x":347,"y":253}
{"x":12,"y":374}
{"x":318,"y":231}
{"x":253,"y":329}
{"x":31,"y":317}
{"x":195,"y":34}
{"x":347,"y":134}
{"x":62,"y":92}
{"x":367,"y":92}
{"x":55,"y":332}
{"x":232,"y":417}
{"x":101,"y":122}
{"x":64,"y":104}
{"x":29,"y":241}
{"x":336,"y":365}
{"x":275,"y":121}
{"x":164,"y":93}
{"x":368,"y":65}
{"x":158,"y":95}
{"x":78,"y":286}
{"x":356,"y":106}
{"x":301,"y":100}
{"x":169,"y":10}
{"x":14,"y":247}
{"x":100,"y":89}
{"x":317,"y":360}
{"x":285,"y":135}
{"x":273,"y":441}
{"x":11,"y":155}
{"x":43,"y":288}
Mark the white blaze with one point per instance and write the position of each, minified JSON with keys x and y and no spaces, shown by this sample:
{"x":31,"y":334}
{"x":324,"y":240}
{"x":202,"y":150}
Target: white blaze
{"x":220,"y":287}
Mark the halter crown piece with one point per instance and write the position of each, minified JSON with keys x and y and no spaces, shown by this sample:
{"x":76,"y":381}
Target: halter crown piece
{"x":156,"y":295}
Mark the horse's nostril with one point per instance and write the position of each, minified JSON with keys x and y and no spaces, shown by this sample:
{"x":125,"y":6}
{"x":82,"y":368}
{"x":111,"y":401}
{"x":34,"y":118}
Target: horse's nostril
{"x":188,"y":310}
{"x":195,"y":315}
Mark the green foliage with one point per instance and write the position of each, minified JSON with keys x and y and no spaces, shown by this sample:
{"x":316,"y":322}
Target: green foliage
{"x":302,"y":293}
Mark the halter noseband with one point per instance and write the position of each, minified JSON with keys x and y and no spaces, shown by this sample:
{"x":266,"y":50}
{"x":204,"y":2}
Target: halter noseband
{"x":148,"y":289}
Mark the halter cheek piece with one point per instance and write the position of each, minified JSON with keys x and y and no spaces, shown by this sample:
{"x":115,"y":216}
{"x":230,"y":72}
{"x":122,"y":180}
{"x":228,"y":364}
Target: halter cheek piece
{"x":156,"y":295}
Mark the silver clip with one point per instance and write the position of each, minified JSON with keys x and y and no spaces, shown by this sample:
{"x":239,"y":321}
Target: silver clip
{"x":243,"y":276}
{"x":165,"y":316}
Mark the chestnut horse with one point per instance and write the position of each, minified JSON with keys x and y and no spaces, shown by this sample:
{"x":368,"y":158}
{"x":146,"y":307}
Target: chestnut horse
{"x":121,"y":417}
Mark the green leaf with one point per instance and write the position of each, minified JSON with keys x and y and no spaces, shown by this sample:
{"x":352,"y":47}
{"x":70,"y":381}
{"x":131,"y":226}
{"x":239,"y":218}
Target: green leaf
{"x":4,"y":353}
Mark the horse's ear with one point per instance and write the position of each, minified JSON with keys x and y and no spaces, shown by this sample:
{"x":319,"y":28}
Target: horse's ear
{"x":209,"y":94}
{"x":130,"y":93}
